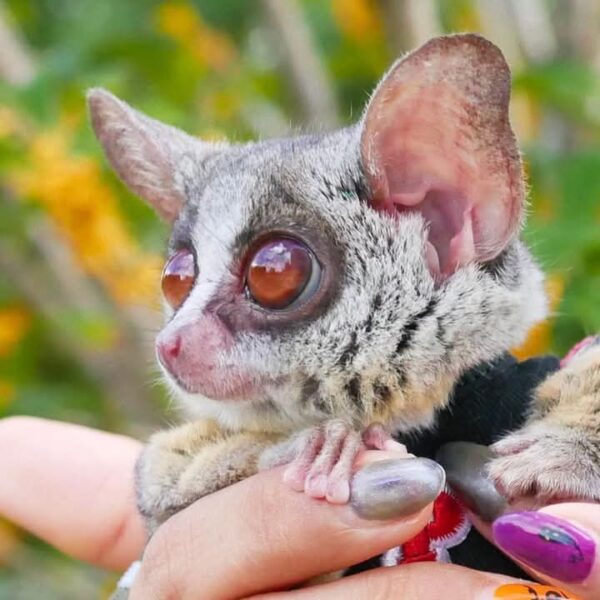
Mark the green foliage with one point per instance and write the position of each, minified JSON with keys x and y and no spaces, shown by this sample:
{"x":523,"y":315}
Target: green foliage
{"x":215,"y":68}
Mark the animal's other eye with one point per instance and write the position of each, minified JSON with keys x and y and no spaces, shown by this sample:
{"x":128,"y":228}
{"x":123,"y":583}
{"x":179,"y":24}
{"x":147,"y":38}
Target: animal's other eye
{"x":281,"y":272}
{"x":178,"y":277}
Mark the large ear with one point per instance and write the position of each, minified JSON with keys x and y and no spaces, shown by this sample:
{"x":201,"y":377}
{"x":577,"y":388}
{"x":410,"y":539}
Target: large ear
{"x":436,"y":138}
{"x":146,"y":154}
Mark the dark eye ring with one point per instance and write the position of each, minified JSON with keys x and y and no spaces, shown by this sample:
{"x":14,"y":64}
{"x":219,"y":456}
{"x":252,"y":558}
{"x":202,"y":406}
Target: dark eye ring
{"x":282,"y":273}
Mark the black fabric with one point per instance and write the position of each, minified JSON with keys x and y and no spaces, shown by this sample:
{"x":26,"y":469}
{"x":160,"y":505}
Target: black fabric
{"x":489,"y":401}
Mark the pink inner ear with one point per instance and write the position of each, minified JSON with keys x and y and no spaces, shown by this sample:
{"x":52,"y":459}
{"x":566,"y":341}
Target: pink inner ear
{"x":437,"y":140}
{"x":427,"y":168}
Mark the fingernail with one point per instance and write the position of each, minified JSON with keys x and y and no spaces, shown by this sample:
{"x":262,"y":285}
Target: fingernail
{"x":465,"y":465}
{"x":531,"y":591}
{"x":547,"y":544}
{"x":393,"y":488}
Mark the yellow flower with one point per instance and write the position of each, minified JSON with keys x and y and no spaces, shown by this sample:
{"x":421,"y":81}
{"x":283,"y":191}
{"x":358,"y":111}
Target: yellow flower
{"x":358,"y":19}
{"x":182,"y":23}
{"x":14,"y":324}
{"x":87,"y":214}
{"x":538,"y":339}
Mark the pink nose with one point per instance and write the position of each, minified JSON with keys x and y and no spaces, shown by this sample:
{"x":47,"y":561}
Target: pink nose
{"x":169,"y":349}
{"x":191,"y":354}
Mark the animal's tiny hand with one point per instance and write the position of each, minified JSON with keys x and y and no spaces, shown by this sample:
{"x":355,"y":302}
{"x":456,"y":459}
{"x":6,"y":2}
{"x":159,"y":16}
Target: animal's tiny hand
{"x":320,"y":459}
{"x":556,"y":455}
{"x":184,"y":464}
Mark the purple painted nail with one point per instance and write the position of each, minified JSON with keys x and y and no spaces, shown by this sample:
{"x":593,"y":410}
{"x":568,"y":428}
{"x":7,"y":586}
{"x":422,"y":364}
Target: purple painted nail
{"x":547,"y":544}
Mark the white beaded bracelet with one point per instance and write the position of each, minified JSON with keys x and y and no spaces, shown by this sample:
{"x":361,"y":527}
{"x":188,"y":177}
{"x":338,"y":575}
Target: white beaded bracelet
{"x":122,"y":590}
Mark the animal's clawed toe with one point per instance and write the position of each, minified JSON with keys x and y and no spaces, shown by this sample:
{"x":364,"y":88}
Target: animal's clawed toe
{"x":324,"y":458}
{"x":323,"y":464}
{"x":544,"y":464}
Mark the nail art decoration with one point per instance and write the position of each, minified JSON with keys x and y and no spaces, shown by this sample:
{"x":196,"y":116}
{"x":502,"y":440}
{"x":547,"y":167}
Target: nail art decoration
{"x":531,"y":591}
{"x":547,"y":544}
{"x":560,"y":536}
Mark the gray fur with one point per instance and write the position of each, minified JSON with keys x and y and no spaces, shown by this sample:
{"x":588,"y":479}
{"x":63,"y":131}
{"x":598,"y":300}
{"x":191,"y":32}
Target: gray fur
{"x":390,"y":336}
{"x":389,"y":328}
{"x":556,"y":455}
{"x":387,"y":343}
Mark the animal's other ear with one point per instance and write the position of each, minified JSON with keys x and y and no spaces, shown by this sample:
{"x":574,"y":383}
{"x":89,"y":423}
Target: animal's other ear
{"x":436,"y":139}
{"x":146,"y":154}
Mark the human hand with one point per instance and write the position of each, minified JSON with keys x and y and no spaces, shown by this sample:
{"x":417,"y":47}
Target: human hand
{"x":557,"y":544}
{"x":73,"y":487}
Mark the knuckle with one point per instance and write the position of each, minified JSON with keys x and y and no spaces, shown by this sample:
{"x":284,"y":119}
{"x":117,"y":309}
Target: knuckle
{"x":157,"y":576}
{"x":336,"y":427}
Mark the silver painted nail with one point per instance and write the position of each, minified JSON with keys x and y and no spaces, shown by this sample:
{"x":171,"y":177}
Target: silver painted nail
{"x":393,"y":488}
{"x":466,"y":469}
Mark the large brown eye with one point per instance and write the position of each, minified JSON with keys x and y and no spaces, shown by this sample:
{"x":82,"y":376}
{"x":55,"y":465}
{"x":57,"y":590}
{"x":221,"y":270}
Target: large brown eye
{"x":281,"y":271}
{"x":178,"y":277}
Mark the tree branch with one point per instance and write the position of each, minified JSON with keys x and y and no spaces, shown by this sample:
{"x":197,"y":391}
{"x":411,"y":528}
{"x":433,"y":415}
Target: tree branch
{"x":302,"y":63}
{"x":536,"y":34}
{"x":17,"y":66}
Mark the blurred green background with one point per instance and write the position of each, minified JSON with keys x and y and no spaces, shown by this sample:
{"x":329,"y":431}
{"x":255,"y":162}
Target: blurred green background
{"x":80,"y":257}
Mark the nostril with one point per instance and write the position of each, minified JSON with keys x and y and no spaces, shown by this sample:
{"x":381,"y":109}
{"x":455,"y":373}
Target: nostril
{"x":170,"y":348}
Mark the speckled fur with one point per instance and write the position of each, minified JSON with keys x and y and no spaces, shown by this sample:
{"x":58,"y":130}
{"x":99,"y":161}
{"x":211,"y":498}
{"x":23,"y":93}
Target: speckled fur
{"x":556,"y":455}
{"x":193,"y":460}
{"x":388,"y":346}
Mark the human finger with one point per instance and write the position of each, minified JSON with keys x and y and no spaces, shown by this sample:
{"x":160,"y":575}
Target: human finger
{"x":426,"y":581}
{"x":558,"y":544}
{"x":260,"y":535}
